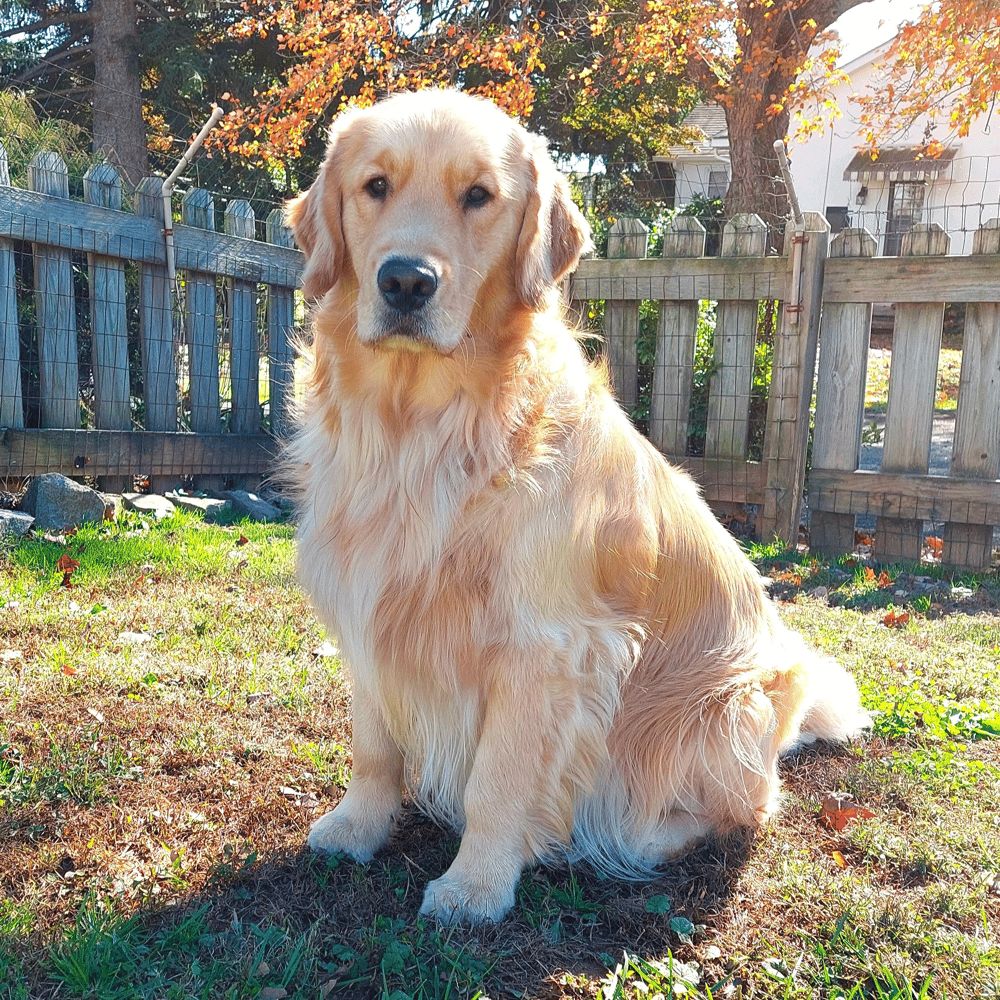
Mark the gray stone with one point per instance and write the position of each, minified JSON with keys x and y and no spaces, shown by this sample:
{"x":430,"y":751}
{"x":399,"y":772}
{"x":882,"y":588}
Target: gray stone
{"x":57,"y":502}
{"x":14,"y":524}
{"x":208,"y":506}
{"x":149,"y":503}
{"x":250,"y":505}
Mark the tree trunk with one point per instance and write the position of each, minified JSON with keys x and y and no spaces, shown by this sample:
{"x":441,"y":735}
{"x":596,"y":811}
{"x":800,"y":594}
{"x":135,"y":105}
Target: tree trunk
{"x":119,"y":129}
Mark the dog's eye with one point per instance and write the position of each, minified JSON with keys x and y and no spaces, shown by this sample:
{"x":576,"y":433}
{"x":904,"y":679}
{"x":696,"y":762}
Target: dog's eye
{"x":377,"y":187}
{"x":476,"y":196}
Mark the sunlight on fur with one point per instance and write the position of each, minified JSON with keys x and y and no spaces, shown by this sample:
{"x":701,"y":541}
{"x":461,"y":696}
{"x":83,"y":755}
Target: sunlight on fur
{"x":554,"y":646}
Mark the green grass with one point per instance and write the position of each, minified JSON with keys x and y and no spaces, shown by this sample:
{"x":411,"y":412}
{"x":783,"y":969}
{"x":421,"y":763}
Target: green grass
{"x":166,"y":726}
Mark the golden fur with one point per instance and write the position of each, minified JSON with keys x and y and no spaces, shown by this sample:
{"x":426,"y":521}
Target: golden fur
{"x":553,"y":644}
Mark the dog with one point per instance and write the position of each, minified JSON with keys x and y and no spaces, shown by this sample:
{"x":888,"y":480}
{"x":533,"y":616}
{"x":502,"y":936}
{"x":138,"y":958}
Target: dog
{"x":554,"y":646}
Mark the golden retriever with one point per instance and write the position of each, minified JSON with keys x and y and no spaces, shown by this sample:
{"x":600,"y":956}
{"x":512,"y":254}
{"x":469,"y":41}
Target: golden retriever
{"x":553,"y":644}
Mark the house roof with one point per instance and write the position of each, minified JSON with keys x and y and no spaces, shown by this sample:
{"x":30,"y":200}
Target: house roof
{"x":710,"y":118}
{"x":898,"y":163}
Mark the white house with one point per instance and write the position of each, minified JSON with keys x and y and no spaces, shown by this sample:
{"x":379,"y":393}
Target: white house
{"x":887,"y":195}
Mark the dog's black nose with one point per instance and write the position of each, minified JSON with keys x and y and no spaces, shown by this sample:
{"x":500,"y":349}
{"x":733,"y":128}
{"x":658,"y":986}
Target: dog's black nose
{"x":406,"y":284}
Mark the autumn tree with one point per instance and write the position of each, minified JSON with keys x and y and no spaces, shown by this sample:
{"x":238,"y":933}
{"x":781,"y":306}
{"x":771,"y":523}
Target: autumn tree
{"x":758,"y":59}
{"x":941,"y":71}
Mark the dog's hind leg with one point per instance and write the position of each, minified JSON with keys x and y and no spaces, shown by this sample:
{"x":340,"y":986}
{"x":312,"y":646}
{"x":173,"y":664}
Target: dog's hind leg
{"x":362,"y":821}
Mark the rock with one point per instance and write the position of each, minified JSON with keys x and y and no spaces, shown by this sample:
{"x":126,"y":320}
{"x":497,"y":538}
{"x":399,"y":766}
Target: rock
{"x":206,"y":505}
{"x":58,"y":502}
{"x":250,"y":505}
{"x":149,"y":503}
{"x":14,"y":524}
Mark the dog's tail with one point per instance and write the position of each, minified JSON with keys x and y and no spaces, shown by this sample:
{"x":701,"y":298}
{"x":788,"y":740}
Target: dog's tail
{"x":832,"y":707}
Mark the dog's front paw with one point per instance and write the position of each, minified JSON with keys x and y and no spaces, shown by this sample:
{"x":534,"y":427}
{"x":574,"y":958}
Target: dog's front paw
{"x":345,"y":830}
{"x":457,"y":899}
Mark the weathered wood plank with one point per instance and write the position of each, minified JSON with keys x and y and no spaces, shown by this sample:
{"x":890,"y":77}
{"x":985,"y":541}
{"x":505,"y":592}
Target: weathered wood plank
{"x":58,"y":368}
{"x":840,"y":392}
{"x":38,"y":218}
{"x":156,"y":327}
{"x":109,"y":325}
{"x":280,"y":331}
{"x":786,"y":436}
{"x":11,"y":402}
{"x":914,"y":279}
{"x":909,"y":418}
{"x":725,"y":482}
{"x":677,"y":327}
{"x":976,"y":449}
{"x":201,"y":331}
{"x":905,"y":495}
{"x":163,"y":456}
{"x":627,"y":239}
{"x":733,"y":349}
{"x":243,"y":340}
{"x":734,"y":278}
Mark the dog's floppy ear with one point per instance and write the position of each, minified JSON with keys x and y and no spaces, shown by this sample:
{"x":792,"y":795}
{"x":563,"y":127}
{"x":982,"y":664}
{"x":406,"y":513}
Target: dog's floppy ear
{"x":553,"y":232}
{"x":314,"y":217}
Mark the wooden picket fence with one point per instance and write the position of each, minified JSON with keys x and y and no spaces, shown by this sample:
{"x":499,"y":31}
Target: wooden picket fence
{"x":235,"y":316}
{"x":826,"y":289}
{"x":236,"y":289}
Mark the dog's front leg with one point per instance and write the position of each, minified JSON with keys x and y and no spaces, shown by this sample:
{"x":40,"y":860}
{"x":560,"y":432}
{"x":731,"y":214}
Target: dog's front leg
{"x":362,"y":821}
{"x":515,"y":771}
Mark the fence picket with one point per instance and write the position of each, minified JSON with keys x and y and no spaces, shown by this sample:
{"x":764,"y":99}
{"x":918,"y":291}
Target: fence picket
{"x":201,"y":330}
{"x":840,"y":393}
{"x":109,"y":326}
{"x":733,"y":350}
{"x":976,"y":448}
{"x":240,"y":221}
{"x":58,"y":369}
{"x":280,"y":326}
{"x":11,"y":402}
{"x":909,"y":418}
{"x":628,"y":238}
{"x":156,"y":330}
{"x":677,"y":330}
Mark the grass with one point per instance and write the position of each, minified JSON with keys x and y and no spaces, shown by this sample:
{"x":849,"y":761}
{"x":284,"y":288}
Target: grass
{"x":169,"y":721}
{"x":877,"y":384}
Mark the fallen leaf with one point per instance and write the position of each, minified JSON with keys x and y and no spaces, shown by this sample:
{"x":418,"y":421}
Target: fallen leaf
{"x":869,"y":574}
{"x":839,"y":809}
{"x":97,"y":715}
{"x":935,"y":545}
{"x":68,"y":670}
{"x":263,"y":969}
{"x":884,"y":580}
{"x":892,"y":620}
{"x":840,"y":860}
{"x":242,"y":540}
{"x":272,"y":993}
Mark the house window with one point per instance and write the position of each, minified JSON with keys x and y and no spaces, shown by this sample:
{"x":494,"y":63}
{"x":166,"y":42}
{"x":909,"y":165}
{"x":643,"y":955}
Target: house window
{"x":838,"y":217}
{"x":718,"y":184}
{"x":906,"y":205}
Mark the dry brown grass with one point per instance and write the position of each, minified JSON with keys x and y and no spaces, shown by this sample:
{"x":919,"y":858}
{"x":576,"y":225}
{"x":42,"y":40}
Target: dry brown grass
{"x":172,"y":780}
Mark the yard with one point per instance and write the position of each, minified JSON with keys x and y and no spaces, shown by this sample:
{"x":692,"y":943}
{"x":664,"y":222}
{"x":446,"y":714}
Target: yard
{"x":172,"y":719}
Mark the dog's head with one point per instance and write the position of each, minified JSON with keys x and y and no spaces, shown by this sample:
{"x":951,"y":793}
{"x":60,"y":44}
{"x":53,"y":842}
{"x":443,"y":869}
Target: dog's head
{"x":435,"y":215}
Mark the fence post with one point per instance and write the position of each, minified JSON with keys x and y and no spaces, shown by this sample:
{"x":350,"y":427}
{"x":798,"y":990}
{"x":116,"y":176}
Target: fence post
{"x":793,"y":369}
{"x":840,"y":394}
{"x":280,"y":324}
{"x":109,"y":355}
{"x":628,"y":238}
{"x":733,"y":350}
{"x":202,"y":331}
{"x":11,"y":402}
{"x":976,"y":449}
{"x":58,"y":369}
{"x":676,"y":333}
{"x":156,"y":332}
{"x":244,"y":359}
{"x":909,"y":418}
